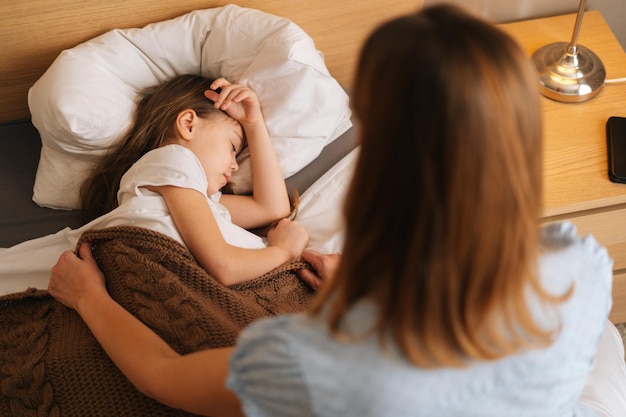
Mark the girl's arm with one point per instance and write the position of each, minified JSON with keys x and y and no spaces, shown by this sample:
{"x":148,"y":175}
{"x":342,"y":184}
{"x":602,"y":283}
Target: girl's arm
{"x":228,"y":264}
{"x":269,"y":200}
{"x":195,"y":382}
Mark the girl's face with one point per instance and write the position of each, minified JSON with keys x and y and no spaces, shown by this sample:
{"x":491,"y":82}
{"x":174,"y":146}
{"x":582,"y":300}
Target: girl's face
{"x":217,"y":142}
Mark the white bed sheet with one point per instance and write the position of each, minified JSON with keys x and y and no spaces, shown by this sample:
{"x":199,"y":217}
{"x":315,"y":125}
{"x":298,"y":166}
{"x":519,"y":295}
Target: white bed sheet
{"x":321,"y":206}
{"x":27,"y":265}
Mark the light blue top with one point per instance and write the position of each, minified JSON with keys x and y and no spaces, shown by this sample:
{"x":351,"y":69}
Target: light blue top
{"x":290,"y":366}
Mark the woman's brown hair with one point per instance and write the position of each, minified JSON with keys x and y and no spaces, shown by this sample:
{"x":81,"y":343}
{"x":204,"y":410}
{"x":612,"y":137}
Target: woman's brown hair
{"x":442,"y":213}
{"x":153,"y":125}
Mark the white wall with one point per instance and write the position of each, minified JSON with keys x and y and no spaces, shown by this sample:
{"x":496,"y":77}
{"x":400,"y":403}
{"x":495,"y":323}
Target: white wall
{"x":510,"y":10}
{"x":613,"y":11}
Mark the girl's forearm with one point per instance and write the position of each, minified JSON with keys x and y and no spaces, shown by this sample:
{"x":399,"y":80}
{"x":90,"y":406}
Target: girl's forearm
{"x":268,"y":185}
{"x":237,"y":265}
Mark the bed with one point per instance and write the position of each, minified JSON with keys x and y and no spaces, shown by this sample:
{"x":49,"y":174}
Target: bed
{"x":20,"y":217}
{"x":36,"y":32}
{"x":84,"y":100}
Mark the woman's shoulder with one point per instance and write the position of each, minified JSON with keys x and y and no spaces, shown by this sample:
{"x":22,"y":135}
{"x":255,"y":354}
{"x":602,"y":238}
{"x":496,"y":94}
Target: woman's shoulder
{"x":563,"y":246}
{"x":580,"y":266}
{"x":266,"y":354}
{"x":569,"y":259}
{"x":290,"y":342}
{"x":274,"y":333}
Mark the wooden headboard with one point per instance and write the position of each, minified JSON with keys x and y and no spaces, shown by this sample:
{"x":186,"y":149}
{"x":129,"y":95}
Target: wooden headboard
{"x":35,"y":32}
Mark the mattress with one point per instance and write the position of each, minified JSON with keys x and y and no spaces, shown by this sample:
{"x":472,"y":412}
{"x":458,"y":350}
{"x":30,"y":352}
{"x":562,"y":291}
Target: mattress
{"x":20,"y":218}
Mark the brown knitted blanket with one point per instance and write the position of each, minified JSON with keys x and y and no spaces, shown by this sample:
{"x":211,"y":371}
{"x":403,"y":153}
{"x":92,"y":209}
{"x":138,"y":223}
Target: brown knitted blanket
{"x":51,"y":365}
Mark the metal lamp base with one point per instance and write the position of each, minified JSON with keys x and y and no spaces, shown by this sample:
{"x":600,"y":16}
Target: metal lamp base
{"x":569,"y":73}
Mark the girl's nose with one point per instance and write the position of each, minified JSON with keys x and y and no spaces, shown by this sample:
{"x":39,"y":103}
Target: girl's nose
{"x":235,"y":165}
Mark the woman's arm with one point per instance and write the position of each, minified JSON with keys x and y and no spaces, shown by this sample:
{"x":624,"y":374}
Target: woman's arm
{"x":269,"y":200}
{"x":227,"y":263}
{"x":195,"y":382}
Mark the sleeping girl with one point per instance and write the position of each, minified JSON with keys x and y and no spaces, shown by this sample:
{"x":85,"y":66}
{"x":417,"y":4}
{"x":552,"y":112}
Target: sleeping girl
{"x":166,"y":175}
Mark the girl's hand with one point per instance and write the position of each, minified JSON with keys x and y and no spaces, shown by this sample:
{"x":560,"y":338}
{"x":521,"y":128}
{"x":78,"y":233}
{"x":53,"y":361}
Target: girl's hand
{"x":73,"y":278}
{"x":240,"y":102}
{"x":290,"y":236}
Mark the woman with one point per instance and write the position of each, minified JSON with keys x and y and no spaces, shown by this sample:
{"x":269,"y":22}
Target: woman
{"x":449,"y":299}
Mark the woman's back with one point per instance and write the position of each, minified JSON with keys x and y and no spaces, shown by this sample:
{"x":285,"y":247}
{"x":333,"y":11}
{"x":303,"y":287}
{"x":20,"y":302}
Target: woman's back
{"x":309,"y":368}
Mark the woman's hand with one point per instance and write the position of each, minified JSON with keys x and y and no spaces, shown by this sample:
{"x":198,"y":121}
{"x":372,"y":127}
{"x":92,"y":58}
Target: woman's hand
{"x":324,"y":265}
{"x":74,"y":278}
{"x":290,"y":236}
{"x":239,"y":101}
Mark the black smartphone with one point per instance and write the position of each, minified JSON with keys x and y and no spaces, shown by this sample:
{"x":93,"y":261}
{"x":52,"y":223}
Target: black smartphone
{"x":616,"y":148}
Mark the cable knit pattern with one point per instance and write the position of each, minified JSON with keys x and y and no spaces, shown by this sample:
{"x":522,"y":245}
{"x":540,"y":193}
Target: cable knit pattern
{"x":22,"y":370}
{"x":51,"y":365}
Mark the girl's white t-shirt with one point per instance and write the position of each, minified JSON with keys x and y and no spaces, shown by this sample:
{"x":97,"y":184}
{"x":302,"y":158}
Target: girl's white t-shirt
{"x":177,"y":166}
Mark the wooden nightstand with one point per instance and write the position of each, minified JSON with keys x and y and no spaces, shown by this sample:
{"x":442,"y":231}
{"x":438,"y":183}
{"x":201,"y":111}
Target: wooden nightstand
{"x":576,"y":184}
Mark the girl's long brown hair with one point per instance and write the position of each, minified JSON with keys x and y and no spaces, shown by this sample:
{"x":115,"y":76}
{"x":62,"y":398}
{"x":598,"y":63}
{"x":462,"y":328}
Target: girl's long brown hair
{"x":153,"y":126}
{"x":442,"y":228}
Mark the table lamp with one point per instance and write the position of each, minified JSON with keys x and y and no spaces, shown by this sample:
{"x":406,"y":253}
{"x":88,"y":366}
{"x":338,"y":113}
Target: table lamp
{"x":569,"y":72}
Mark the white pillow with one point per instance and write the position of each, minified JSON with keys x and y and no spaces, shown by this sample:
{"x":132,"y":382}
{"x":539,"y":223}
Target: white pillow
{"x":84,"y":102}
